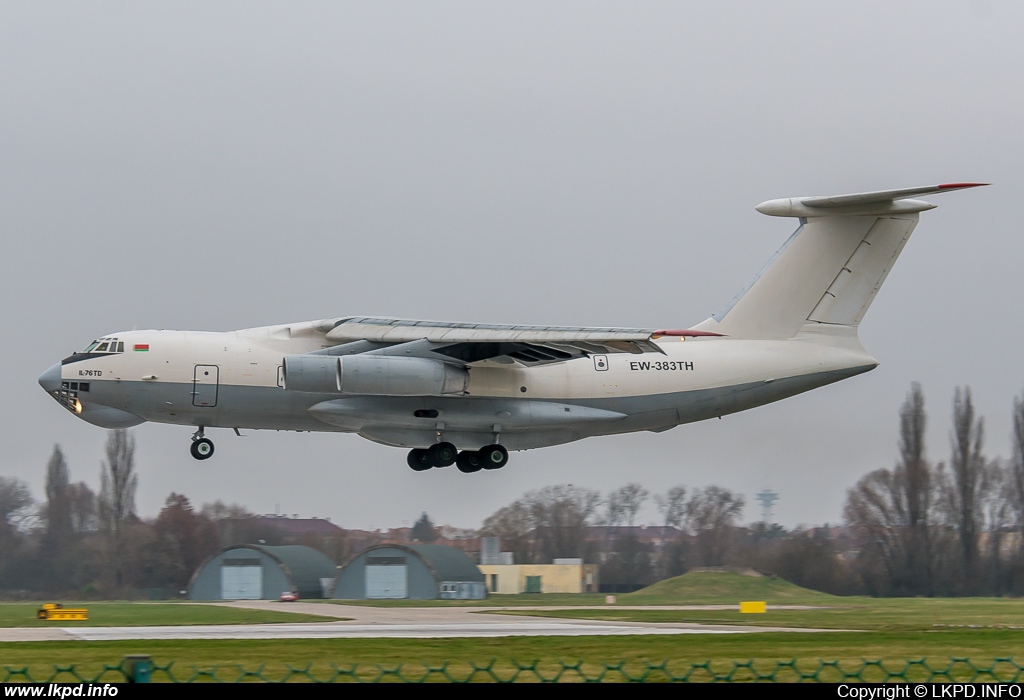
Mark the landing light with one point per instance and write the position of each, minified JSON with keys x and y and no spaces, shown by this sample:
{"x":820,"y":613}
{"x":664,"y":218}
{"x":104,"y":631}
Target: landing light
{"x":78,"y":406}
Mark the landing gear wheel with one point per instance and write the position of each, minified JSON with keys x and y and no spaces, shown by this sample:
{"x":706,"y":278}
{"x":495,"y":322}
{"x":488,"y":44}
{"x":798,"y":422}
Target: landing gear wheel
{"x":493,"y":457}
{"x":418,"y":460}
{"x":442,"y":454}
{"x":202,"y":448}
{"x":469,"y":462}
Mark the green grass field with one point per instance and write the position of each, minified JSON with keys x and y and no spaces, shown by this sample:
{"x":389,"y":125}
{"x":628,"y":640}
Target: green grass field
{"x":720,"y":587}
{"x":121,"y":614}
{"x":870,"y":614}
{"x":831,"y":612}
{"x":890,"y":630}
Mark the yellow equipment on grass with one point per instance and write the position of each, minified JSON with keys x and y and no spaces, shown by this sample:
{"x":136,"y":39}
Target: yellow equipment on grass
{"x":57,"y":611}
{"x":753,"y":606}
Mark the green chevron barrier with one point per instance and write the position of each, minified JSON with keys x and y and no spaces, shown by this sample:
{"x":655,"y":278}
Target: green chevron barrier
{"x":140,"y":668}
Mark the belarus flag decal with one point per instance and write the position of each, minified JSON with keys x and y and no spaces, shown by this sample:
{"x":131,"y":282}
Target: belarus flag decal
{"x":142,"y":348}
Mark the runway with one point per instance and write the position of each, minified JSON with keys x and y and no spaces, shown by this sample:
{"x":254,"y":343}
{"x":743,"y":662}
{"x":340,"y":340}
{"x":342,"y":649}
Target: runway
{"x":365,"y":622}
{"x":333,"y":630}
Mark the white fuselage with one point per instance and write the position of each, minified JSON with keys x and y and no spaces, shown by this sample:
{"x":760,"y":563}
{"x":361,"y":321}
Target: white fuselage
{"x":234,"y":380}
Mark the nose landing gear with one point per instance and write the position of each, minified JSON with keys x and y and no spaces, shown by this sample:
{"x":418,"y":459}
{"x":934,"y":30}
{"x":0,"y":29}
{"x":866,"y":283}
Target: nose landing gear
{"x":202,"y":447}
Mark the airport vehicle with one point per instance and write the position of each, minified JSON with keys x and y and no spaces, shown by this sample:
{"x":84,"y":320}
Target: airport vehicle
{"x":57,"y":611}
{"x":289,"y":597}
{"x":467,"y":393}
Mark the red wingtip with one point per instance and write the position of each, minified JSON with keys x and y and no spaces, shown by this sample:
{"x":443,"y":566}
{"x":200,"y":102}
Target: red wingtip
{"x":961,"y":185}
{"x":687,"y":333}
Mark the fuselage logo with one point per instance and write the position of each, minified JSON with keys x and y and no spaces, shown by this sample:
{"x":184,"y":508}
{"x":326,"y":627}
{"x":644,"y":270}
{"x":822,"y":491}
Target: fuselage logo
{"x":601,"y":363}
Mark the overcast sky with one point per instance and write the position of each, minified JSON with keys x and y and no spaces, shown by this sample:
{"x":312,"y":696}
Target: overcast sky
{"x":235,"y":164}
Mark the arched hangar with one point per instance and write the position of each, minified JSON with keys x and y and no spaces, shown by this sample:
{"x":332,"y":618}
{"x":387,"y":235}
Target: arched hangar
{"x":263,"y":572}
{"x":418,"y":572}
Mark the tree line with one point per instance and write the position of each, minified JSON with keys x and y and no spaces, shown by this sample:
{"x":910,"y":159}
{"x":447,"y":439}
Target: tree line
{"x":95,"y":543}
{"x":952,"y":527}
{"x":699,"y":527}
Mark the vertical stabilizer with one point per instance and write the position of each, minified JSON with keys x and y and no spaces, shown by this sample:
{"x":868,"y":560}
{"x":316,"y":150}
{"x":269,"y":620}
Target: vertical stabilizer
{"x":831,"y":268}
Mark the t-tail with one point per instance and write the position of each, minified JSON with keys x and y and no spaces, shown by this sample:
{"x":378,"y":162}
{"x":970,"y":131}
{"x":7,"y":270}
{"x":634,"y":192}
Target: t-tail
{"x":824,"y":278}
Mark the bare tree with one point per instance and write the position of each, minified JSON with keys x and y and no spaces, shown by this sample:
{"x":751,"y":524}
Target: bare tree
{"x":15,"y":501}
{"x":58,"y":502}
{"x":560,"y":517}
{"x":82,"y":501}
{"x":513,"y":524}
{"x":629,"y":562}
{"x":118,"y":482}
{"x":917,"y":479}
{"x":1015,"y":477}
{"x":996,"y":514}
{"x":219,"y":510}
{"x":15,"y":505}
{"x":624,"y":503}
{"x":614,"y":513}
{"x":672,"y":506}
{"x":183,"y":540}
{"x":711,"y":515}
{"x":876,"y":509}
{"x":967,"y":467}
{"x":914,"y":485}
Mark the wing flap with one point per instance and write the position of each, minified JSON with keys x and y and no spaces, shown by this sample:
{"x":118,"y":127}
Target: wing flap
{"x":476,"y":341}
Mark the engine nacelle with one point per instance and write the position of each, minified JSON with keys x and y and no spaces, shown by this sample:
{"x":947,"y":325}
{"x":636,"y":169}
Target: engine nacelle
{"x":313,"y":373}
{"x":373,"y":375}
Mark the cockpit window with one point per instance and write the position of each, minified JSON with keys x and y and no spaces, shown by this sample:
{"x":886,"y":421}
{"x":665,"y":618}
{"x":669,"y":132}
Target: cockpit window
{"x":105,"y":345}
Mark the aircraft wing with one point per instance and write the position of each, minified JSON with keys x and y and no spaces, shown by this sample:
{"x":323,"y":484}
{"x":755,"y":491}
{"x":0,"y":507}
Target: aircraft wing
{"x":465,"y":343}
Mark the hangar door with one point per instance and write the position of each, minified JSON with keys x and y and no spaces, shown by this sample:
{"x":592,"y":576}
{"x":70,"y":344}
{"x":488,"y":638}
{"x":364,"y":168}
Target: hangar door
{"x":387,"y":577}
{"x":241,"y":579}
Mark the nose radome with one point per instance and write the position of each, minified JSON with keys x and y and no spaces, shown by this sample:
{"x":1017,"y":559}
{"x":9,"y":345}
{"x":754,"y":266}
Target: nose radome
{"x":50,"y":379}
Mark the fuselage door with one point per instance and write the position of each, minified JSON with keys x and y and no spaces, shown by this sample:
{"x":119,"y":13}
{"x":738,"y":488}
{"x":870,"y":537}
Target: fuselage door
{"x":204,"y":386}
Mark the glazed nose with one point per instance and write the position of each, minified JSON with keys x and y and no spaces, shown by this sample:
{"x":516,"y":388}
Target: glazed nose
{"x":50,"y":379}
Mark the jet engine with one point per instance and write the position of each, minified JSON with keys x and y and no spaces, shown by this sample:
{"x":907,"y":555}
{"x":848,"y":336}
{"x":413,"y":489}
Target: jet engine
{"x":373,"y":375}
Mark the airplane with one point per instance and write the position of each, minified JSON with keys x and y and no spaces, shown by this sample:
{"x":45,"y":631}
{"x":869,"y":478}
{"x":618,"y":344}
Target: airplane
{"x":467,"y":393}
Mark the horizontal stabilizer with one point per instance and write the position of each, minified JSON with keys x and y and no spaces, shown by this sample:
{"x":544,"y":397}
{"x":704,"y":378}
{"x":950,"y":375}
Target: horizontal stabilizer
{"x":878,"y":202}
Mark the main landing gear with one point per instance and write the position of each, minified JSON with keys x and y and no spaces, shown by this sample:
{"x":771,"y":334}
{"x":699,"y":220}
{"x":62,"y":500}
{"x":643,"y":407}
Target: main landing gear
{"x":202,"y":447}
{"x":444,"y":454}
